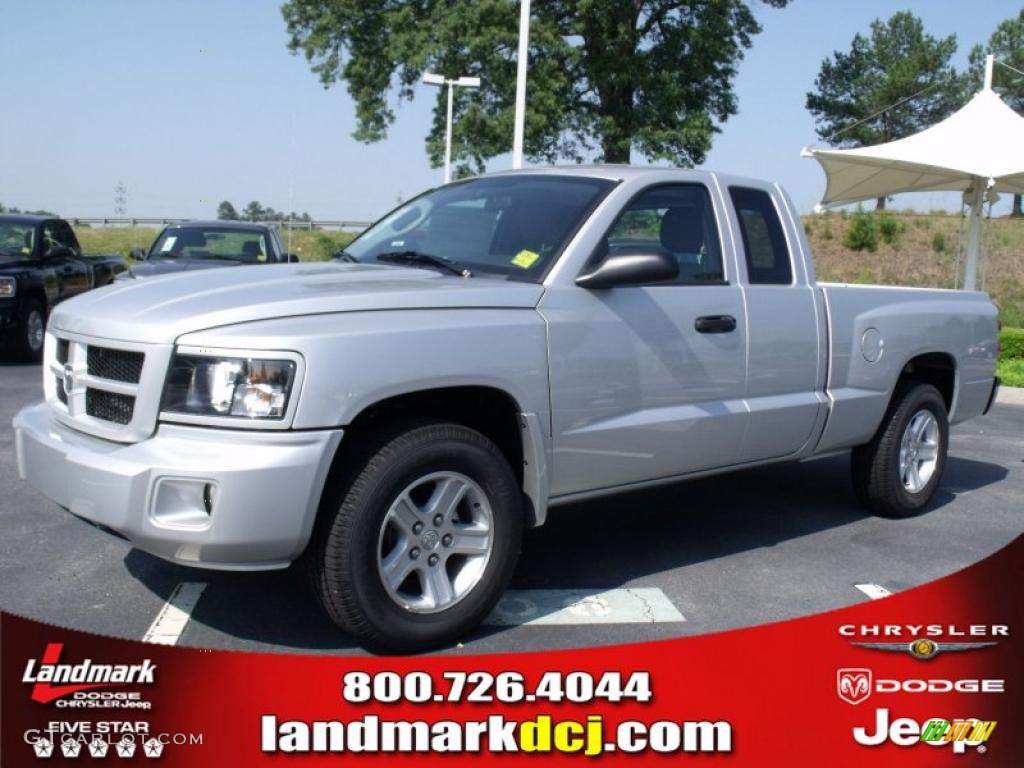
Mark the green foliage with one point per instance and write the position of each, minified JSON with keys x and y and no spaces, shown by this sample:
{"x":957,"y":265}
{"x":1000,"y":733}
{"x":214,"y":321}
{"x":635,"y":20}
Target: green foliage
{"x":862,"y":234}
{"x":1007,"y":44}
{"x":827,"y":232}
{"x":891,"y":228}
{"x":939,"y":242}
{"x":317,"y":245}
{"x":894,"y":62}
{"x":39,"y":212}
{"x":227,"y":211}
{"x":1011,"y":344}
{"x":655,"y":77}
{"x":865,"y":277}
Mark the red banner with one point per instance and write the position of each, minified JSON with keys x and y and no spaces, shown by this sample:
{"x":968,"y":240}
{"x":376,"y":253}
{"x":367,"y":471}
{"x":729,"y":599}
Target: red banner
{"x":931,"y":676}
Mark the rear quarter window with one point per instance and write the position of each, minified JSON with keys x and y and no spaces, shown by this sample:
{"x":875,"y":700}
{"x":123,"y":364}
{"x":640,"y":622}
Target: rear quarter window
{"x":764,"y":242}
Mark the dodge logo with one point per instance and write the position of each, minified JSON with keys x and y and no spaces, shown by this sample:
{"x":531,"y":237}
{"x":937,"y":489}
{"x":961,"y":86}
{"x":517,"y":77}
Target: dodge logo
{"x":69,"y":378}
{"x":853,"y":685}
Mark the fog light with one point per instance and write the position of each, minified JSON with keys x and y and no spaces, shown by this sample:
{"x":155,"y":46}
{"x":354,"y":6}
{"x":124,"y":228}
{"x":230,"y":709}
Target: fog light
{"x":183,"y":503}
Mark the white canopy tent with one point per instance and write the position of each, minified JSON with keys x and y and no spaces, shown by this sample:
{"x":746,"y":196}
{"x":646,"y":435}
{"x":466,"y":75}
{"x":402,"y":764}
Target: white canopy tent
{"x":978,"y":150}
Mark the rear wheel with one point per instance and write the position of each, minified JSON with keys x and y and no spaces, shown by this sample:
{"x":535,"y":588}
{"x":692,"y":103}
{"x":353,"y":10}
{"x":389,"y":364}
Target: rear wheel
{"x":31,"y":331}
{"x":898,"y":472}
{"x":417,"y":549}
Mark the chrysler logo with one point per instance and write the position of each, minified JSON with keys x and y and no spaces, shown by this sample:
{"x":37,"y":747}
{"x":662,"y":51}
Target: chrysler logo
{"x":69,"y":378}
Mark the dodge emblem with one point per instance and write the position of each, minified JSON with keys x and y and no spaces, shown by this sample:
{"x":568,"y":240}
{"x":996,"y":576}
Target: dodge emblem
{"x":69,"y":379}
{"x":853,"y":685}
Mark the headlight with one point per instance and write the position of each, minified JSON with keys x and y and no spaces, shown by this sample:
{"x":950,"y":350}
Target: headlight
{"x":8,"y":287}
{"x":220,"y":386}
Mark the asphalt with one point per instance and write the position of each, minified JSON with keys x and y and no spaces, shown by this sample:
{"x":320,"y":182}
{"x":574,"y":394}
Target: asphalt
{"x":732,"y":551}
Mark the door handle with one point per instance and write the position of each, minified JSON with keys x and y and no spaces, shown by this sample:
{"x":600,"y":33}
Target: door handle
{"x":715,"y":324}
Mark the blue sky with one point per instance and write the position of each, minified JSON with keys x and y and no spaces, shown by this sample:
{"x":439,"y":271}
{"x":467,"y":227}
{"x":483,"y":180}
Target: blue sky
{"x":105,"y":90}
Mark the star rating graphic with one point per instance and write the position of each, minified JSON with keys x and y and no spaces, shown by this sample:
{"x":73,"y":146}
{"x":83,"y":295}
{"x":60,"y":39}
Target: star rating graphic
{"x":125,"y":748}
{"x":153,"y":748}
{"x":71,"y":748}
{"x":98,"y":747}
{"x":43,"y":748}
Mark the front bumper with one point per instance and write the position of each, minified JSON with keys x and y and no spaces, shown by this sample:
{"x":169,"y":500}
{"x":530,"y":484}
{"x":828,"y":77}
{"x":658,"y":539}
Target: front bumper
{"x":216,"y":498}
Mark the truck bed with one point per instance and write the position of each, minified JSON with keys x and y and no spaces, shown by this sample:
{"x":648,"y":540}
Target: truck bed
{"x":895,"y":325}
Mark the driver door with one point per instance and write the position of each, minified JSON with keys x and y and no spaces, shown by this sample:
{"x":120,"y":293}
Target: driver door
{"x":71,"y":272}
{"x":642,"y":386}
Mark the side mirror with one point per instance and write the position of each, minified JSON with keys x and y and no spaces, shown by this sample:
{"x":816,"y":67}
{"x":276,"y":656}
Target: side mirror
{"x":631,"y":266}
{"x":293,"y":258}
{"x":138,"y":254}
{"x":59,"y":252}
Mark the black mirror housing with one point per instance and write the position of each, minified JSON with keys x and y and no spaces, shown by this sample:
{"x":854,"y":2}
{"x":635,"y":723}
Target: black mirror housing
{"x":293,"y":258}
{"x":631,"y":266}
{"x":138,"y":254}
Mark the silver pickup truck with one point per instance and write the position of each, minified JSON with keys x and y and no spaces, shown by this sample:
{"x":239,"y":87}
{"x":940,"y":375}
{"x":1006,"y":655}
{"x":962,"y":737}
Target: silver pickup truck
{"x":486,"y":352}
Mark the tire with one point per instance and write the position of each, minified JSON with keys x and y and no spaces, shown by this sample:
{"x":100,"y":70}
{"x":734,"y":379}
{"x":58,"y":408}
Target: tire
{"x":882,"y":483}
{"x":365,"y":538}
{"x":28,"y":342}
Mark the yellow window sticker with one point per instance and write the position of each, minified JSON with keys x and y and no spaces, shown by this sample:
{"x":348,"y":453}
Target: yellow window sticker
{"x":525,"y":259}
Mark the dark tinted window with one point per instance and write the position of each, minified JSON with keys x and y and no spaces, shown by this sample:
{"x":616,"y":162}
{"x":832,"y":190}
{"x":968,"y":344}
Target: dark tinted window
{"x":677,"y":218}
{"x":764,"y":242}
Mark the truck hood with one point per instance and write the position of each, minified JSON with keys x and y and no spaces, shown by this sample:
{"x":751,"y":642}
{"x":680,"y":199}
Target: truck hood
{"x":159,"y":311}
{"x":12,"y":264}
{"x":154,"y":267}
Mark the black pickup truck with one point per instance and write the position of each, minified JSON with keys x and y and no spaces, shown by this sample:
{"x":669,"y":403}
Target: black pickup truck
{"x":42,"y":264}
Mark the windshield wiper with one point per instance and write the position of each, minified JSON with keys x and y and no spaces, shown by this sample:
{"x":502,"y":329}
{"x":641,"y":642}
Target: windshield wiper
{"x":425,"y":259}
{"x":344,"y":255}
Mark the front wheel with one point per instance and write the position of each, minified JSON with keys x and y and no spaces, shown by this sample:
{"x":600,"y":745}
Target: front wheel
{"x":898,"y":472}
{"x":31,"y":331}
{"x":418,"y":548}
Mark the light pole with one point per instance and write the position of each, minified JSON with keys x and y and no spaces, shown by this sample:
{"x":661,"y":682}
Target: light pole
{"x":462,"y":82}
{"x":524,"y":51}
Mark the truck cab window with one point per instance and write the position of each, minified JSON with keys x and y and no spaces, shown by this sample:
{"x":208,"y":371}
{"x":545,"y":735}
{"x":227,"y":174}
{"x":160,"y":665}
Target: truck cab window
{"x":677,"y":218}
{"x":764,"y":242}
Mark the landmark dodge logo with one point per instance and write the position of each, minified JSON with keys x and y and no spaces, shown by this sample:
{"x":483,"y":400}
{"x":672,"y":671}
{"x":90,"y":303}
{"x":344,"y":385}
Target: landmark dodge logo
{"x":853,"y":685}
{"x":79,"y":677}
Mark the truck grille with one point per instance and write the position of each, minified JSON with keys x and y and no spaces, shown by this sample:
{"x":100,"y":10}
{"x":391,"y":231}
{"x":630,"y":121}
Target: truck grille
{"x":109,"y":406}
{"x":114,"y":364}
{"x":109,"y":389}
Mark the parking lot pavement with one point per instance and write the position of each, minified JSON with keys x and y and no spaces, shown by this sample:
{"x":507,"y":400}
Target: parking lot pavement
{"x":732,"y":551}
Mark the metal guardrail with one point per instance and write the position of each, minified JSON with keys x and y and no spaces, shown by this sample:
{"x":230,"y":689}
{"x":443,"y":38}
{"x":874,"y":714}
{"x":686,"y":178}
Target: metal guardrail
{"x":309,"y":226}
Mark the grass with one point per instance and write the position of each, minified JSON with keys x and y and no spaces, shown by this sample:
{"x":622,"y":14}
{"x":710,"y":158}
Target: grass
{"x":923,"y":253}
{"x":1011,"y":372}
{"x":310,"y":246}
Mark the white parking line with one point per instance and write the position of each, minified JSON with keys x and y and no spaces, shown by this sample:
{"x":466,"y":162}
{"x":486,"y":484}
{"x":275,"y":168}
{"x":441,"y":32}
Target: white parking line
{"x":534,"y":607}
{"x":873,"y":591}
{"x":168,"y":625}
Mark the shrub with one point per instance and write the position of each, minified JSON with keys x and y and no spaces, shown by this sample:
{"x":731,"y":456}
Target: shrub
{"x":1011,"y":344}
{"x":827,"y":231}
{"x":890,"y":227}
{"x":862,"y":234}
{"x":865,"y":277}
{"x":939,"y":242}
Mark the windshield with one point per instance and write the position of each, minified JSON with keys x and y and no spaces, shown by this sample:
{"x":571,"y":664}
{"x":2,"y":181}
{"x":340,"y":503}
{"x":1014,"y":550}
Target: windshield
{"x":513,"y":226}
{"x":211,"y":243}
{"x":17,"y":238}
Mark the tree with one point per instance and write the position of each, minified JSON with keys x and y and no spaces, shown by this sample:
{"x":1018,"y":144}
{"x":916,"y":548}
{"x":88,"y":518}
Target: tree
{"x":1007,"y":44}
{"x":255,"y":212}
{"x":227,"y":211}
{"x":892,"y":83}
{"x":650,"y":76}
